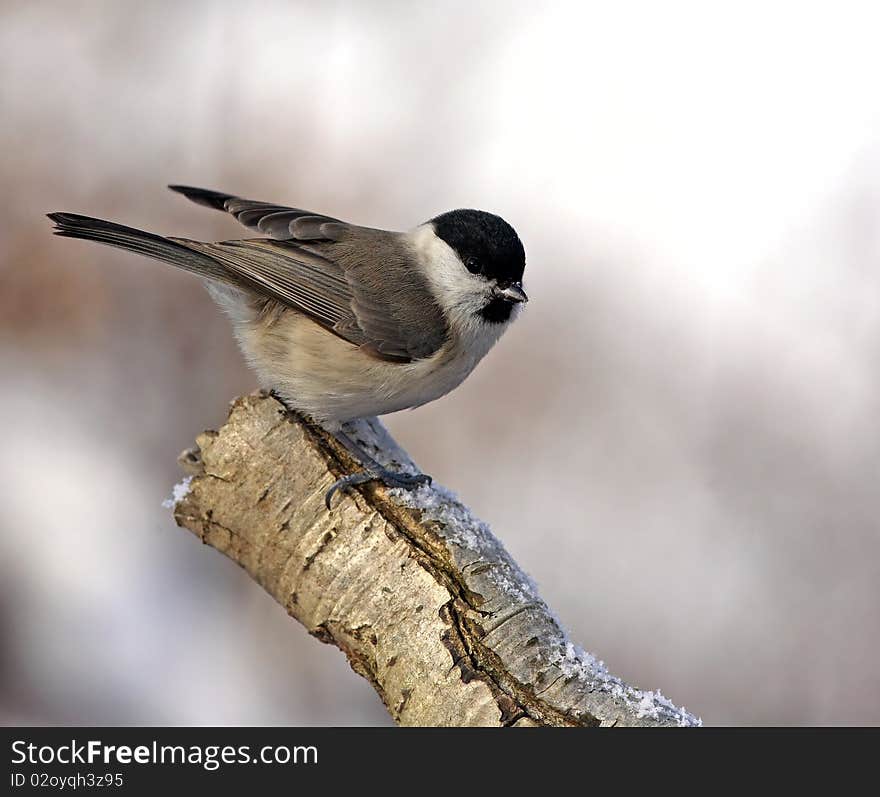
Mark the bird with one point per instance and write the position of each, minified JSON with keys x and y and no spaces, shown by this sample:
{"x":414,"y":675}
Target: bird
{"x":341,"y":321}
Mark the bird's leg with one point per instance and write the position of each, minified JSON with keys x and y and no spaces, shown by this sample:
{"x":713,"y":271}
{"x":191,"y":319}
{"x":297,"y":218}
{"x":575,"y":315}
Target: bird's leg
{"x":290,"y":410}
{"x":372,"y":471}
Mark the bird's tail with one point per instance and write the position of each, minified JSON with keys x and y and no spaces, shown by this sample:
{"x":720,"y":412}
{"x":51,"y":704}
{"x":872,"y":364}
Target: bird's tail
{"x":175,"y":252}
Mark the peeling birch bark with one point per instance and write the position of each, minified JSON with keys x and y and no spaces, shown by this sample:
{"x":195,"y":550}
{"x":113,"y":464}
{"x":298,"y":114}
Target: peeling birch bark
{"x":419,"y":595}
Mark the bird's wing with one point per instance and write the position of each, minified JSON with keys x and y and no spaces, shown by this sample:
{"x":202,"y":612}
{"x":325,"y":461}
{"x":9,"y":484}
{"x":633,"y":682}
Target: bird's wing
{"x":275,"y":221}
{"x":359,"y":283}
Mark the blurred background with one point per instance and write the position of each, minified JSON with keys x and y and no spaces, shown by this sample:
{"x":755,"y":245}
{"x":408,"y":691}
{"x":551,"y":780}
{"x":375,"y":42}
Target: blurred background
{"x":679,"y":440}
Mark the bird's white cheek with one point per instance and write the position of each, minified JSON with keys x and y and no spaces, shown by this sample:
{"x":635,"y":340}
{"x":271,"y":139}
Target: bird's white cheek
{"x":456,"y":289}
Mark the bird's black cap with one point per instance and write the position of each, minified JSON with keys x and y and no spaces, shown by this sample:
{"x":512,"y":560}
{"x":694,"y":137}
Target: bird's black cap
{"x":486,"y":244}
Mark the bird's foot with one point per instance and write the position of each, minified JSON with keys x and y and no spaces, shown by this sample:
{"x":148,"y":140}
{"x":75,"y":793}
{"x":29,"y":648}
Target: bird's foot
{"x":290,"y":411}
{"x":389,"y":478}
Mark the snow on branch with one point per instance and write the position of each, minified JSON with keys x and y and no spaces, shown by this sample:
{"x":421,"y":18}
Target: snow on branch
{"x":417,"y":592}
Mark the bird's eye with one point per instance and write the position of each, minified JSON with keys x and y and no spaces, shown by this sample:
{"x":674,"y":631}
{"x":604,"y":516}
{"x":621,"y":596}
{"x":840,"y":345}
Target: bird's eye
{"x":473,"y":265}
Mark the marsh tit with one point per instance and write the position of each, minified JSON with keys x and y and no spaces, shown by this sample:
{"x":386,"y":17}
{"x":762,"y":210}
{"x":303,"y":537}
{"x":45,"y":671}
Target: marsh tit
{"x":342,"y":321}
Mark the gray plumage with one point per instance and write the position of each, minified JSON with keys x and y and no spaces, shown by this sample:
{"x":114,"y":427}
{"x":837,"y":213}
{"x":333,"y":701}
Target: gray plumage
{"x":411,"y":313}
{"x":314,"y":264}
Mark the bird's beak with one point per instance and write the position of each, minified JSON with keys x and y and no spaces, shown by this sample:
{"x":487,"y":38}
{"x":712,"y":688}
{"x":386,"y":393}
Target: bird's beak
{"x":512,"y":293}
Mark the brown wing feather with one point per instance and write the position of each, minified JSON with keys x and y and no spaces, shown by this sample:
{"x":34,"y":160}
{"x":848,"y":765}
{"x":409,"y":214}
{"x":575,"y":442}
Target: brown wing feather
{"x":276,"y":221}
{"x":328,"y":270}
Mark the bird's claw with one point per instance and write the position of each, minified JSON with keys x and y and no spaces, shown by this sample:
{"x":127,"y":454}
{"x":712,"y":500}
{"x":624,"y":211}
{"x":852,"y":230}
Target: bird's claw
{"x":389,"y":478}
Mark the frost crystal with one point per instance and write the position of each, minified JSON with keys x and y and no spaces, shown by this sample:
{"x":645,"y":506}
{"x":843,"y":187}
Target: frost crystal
{"x":178,"y":493}
{"x":441,"y":505}
{"x":460,"y":528}
{"x":574,"y":662}
{"x":470,"y":534}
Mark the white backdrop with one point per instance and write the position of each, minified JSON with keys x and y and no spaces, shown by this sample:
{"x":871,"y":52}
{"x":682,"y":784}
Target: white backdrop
{"x":679,"y":440}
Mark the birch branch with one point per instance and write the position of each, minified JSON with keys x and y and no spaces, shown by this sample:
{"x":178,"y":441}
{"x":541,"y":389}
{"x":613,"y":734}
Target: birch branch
{"x":419,"y":595}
